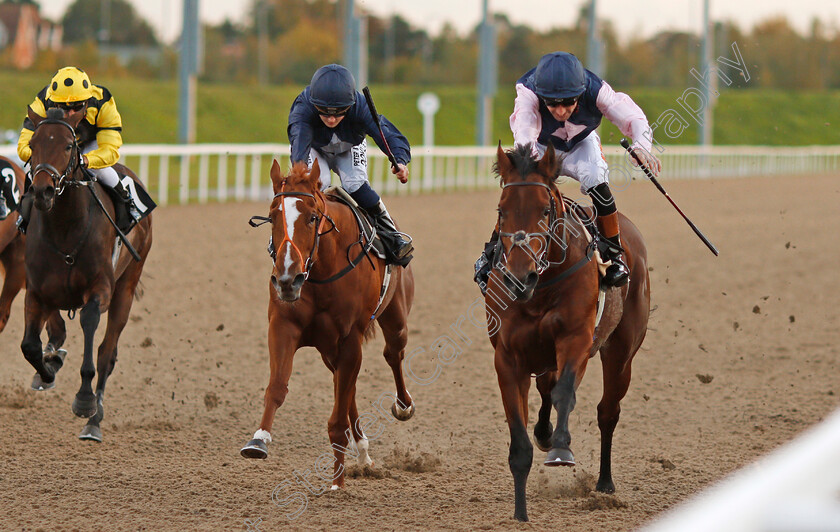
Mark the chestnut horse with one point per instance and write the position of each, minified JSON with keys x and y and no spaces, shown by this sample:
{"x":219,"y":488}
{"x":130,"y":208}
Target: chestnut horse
{"x":542,"y":304}
{"x":11,"y":246}
{"x":325,"y":293}
{"x":72,"y":262}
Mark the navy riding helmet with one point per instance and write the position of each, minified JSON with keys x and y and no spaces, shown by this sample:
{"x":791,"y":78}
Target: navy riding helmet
{"x":332,"y":86}
{"x":559,"y":75}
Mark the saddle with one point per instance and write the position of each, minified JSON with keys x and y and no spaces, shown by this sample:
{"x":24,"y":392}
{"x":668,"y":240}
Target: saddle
{"x":586,"y":217}
{"x":367,"y":229}
{"x":129,"y":212}
{"x":9,"y":191}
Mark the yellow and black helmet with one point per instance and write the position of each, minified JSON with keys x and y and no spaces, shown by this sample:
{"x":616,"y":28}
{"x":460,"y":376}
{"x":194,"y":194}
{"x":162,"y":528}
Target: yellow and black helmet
{"x":69,"y":85}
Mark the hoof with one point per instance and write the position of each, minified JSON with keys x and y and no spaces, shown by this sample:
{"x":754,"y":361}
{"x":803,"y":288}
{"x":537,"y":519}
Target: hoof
{"x":84,"y":405}
{"x":605,"y":486}
{"x":400,"y":414}
{"x":38,"y":384}
{"x":559,"y":457}
{"x":255,"y":448}
{"x":91,"y":432}
{"x":523,"y":516}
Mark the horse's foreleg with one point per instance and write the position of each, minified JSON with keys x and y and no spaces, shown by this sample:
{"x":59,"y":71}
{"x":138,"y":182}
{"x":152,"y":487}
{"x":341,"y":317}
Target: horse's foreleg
{"x":544,"y":428}
{"x":521,"y":452}
{"x":344,"y":384}
{"x":84,"y":405}
{"x":563,"y":399}
{"x":282,"y":344}
{"x":31,"y":346}
{"x":13,"y":281}
{"x":395,"y":330}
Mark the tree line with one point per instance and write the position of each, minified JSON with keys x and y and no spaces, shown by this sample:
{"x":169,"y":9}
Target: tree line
{"x":294,"y":37}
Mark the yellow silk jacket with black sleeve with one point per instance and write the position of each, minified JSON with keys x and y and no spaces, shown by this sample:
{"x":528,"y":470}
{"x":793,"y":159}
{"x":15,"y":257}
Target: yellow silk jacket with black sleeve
{"x":101,"y":123}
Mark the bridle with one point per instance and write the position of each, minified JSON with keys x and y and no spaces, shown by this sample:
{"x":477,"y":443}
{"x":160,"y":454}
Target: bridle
{"x":60,"y":180}
{"x":522,"y":239}
{"x":323,"y":217}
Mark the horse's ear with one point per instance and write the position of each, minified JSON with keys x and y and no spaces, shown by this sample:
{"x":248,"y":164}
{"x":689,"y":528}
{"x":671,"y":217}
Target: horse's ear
{"x":276,"y":176}
{"x":548,"y":163}
{"x":315,"y":175}
{"x":503,"y":163}
{"x":33,"y":116}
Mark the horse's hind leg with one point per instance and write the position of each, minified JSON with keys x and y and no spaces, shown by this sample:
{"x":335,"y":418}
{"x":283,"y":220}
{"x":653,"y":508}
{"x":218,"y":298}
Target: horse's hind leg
{"x":344,"y":384}
{"x":394,"y":324}
{"x":106,"y":358}
{"x":362,"y":444}
{"x":57,"y":332}
{"x":616,"y":358}
{"x":543,"y":429}
{"x":14,"y":280}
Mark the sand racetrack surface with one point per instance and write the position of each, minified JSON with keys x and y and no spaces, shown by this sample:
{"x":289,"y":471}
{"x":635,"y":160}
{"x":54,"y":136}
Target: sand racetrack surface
{"x":741,"y":356}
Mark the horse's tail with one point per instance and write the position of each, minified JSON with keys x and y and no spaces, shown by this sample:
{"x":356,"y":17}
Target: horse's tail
{"x":139,"y":290}
{"x":370,"y":332}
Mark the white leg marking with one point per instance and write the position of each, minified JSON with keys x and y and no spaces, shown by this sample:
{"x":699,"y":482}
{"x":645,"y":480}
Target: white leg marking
{"x":263,"y":435}
{"x":407,"y":409}
{"x":364,"y":458}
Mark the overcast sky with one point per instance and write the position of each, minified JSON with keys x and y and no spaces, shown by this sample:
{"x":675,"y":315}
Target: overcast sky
{"x":629,"y":16}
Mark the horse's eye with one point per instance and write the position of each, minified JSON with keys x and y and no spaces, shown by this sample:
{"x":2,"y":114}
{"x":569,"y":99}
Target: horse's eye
{"x":313,"y":218}
{"x":547,"y":212}
{"x":68,"y":147}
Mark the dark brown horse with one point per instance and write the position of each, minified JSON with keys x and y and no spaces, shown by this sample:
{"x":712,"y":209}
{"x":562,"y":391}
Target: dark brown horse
{"x":72,"y":262}
{"x":320,"y":299}
{"x":11,"y":247}
{"x":542,"y":304}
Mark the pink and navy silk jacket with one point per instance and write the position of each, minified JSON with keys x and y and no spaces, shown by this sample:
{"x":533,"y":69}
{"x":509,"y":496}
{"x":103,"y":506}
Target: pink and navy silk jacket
{"x":532,"y":122}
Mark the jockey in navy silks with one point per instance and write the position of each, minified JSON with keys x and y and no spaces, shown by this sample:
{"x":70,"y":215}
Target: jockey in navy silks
{"x":560,"y":104}
{"x":329,"y":121}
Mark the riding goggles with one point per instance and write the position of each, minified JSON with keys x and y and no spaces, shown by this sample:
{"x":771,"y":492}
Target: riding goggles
{"x":72,"y":106}
{"x":561,"y":102}
{"x":332,"y":111}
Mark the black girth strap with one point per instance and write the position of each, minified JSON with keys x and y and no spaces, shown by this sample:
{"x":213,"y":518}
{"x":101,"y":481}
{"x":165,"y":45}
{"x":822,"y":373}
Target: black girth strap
{"x":590,"y":251}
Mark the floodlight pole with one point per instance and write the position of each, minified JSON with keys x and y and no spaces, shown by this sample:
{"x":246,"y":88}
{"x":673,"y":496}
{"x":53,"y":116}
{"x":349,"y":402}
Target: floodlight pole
{"x":188,"y":67}
{"x":486,"y":77}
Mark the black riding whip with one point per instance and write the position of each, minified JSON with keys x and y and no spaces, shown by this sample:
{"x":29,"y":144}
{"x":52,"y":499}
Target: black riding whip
{"x":650,"y":175}
{"x":373,"y":112}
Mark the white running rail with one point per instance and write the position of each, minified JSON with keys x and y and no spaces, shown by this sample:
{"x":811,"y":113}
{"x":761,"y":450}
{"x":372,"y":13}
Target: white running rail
{"x":794,"y":489}
{"x":237,"y":172}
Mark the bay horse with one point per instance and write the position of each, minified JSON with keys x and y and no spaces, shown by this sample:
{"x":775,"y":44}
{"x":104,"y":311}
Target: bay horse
{"x":325,"y":293}
{"x":12,"y":244}
{"x":72,"y":262}
{"x":542,"y":305}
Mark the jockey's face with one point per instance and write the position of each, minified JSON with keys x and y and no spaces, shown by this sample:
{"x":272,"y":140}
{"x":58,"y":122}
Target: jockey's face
{"x":560,"y":112}
{"x":331,"y":120}
{"x":73,"y":108}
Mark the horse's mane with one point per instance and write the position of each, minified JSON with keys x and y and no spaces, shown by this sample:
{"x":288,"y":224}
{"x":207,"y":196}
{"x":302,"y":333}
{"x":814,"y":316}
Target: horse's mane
{"x":524,"y":162}
{"x":54,"y":113}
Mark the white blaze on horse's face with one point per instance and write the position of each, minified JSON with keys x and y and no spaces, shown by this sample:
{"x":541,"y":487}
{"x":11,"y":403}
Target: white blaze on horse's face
{"x":291,"y":213}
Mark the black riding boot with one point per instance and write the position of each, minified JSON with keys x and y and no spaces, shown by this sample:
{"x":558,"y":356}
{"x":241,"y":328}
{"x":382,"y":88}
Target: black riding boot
{"x":617,"y":274}
{"x":484,"y":264}
{"x":398,"y":248}
{"x":126,"y":214}
{"x":25,"y":212}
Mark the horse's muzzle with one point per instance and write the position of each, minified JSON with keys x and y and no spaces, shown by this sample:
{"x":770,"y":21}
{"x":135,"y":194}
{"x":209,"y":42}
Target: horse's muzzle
{"x":44,"y":198}
{"x":522,"y":289}
{"x":287,"y":287}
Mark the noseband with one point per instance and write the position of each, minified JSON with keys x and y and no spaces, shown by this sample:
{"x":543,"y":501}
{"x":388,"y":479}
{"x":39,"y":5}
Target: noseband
{"x":522,"y":239}
{"x":60,"y":180}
